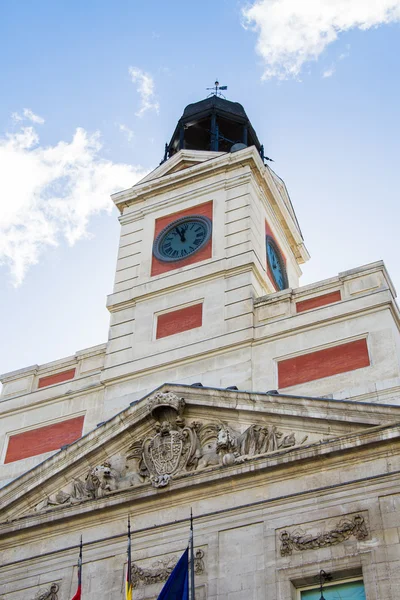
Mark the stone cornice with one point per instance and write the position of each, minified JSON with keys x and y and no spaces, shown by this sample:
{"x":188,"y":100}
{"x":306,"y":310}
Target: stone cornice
{"x":221,"y":162}
{"x":182,"y":157}
{"x":381,"y":300}
{"x":56,"y":365}
{"x":387,"y":484}
{"x":214,"y":269}
{"x":17,"y":404}
{"x":179,"y":197}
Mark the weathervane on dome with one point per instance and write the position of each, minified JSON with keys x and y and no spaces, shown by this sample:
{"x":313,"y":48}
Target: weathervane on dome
{"x":216,"y":90}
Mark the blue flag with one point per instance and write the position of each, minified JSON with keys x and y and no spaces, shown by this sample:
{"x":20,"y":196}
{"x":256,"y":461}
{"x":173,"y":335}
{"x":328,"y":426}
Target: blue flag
{"x":177,"y":585}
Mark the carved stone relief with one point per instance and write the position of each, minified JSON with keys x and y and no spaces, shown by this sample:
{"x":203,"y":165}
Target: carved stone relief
{"x":299,"y":540}
{"x":177,"y":447}
{"x":174,"y":447}
{"x":49,"y":594}
{"x":162,"y":569}
{"x":99,"y":481}
{"x":159,"y":572}
{"x":199,"y":567}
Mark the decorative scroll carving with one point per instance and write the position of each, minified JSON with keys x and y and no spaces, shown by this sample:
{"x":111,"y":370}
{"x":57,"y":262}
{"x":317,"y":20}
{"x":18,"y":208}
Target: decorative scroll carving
{"x":159,"y":572}
{"x":346,"y":528}
{"x":162,"y":569}
{"x":49,"y":594}
{"x":172,"y":448}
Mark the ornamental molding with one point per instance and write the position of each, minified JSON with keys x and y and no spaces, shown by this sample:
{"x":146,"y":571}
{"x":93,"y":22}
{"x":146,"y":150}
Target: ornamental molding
{"x":299,"y":540}
{"x":161,"y":180}
{"x":171,"y":449}
{"x":157,"y":573}
{"x":162,"y":569}
{"x":162,"y":400}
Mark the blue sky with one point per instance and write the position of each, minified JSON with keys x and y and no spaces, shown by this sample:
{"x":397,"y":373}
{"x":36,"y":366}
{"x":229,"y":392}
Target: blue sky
{"x":91,"y":91}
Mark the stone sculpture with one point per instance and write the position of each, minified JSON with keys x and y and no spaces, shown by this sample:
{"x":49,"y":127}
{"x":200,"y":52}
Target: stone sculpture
{"x":49,"y":594}
{"x":199,"y":567}
{"x":177,"y":447}
{"x":346,"y":528}
{"x":256,"y":440}
{"x":99,"y":481}
{"x":161,"y":570}
{"x":173,"y":448}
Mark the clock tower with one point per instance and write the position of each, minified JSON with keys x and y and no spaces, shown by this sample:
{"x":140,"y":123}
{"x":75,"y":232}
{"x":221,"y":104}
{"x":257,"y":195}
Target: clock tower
{"x":202,"y":236}
{"x":206,"y":300}
{"x":271,"y":410}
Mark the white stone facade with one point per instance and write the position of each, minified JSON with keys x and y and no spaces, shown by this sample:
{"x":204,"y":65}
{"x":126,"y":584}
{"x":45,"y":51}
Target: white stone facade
{"x":346,"y":468}
{"x":241,"y":510}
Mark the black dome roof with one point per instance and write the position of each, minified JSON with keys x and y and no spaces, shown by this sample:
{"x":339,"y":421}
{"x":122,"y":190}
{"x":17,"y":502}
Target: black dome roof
{"x":212,"y":103}
{"x":213,"y":124}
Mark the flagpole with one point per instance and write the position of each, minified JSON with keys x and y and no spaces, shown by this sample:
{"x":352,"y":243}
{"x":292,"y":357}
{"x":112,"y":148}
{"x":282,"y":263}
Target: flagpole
{"x":80,"y":564}
{"x":128,"y":591}
{"x":192,"y":592}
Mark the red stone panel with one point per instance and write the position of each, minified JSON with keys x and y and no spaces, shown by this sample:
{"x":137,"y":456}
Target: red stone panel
{"x":157,"y":266}
{"x":318,"y":301}
{"x":56,"y":378}
{"x":179,"y":320}
{"x":323,"y":363}
{"x":43,"y":439}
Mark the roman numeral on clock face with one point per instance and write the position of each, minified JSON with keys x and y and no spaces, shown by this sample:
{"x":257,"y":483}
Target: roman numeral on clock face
{"x":182,"y":238}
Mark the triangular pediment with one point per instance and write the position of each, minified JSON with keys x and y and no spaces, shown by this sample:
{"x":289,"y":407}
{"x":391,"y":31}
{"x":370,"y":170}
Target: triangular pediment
{"x":179,"y":161}
{"x":183,"y":435}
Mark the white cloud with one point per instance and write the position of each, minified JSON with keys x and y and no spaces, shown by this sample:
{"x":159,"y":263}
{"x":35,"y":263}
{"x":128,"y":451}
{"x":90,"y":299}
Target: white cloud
{"x":27,"y":115}
{"x":129,"y":134}
{"x":328,"y":72}
{"x":294,"y":32}
{"x":17,"y":117}
{"x":145,"y":88}
{"x":50,"y":193}
{"x":30,"y":115}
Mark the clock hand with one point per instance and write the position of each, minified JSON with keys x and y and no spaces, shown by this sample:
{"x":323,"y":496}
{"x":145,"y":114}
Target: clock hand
{"x":181,"y":234}
{"x":183,"y":239}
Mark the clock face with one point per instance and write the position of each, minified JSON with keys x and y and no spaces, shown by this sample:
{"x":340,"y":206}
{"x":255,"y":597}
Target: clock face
{"x":276,"y":264}
{"x":182,"y":238}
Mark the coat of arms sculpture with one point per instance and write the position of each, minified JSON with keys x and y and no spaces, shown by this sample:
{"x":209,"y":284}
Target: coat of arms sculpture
{"x":173,"y":448}
{"x":174,"y":445}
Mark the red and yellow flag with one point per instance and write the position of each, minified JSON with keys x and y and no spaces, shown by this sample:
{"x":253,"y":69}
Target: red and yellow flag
{"x":79,"y":590}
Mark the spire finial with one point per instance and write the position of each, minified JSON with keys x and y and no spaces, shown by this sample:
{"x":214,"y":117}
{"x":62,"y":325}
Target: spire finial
{"x":216,"y":90}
